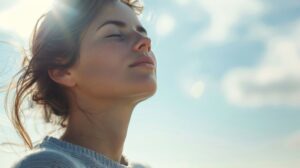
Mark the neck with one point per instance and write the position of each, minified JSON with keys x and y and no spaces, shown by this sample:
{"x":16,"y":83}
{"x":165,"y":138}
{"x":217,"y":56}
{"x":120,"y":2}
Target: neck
{"x":102,"y":128}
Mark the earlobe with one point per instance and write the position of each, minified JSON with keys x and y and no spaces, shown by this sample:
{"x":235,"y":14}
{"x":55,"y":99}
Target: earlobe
{"x":62,"y":77}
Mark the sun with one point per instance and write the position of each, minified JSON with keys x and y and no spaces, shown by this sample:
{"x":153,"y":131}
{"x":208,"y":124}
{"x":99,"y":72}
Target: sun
{"x":21,"y":17}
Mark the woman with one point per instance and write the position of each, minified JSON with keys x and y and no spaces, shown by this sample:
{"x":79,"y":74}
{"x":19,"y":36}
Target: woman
{"x":91,"y":64}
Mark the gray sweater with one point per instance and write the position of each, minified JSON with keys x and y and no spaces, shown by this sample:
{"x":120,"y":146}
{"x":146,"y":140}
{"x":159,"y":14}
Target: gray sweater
{"x":55,"y":153}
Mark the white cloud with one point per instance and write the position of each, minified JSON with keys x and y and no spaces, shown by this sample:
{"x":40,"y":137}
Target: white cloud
{"x":183,"y":2}
{"x":276,"y":80}
{"x":293,"y":141}
{"x":22,"y":17}
{"x":165,"y":24}
{"x":224,"y":16}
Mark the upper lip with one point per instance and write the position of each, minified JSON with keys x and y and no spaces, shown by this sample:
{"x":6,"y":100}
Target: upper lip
{"x":143,"y":59}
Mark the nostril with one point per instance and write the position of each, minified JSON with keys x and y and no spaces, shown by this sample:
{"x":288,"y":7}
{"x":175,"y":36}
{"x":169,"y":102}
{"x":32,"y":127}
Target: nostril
{"x":145,"y":47}
{"x":143,"y":44}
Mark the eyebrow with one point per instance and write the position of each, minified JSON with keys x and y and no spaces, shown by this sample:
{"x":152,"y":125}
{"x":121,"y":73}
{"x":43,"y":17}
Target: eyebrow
{"x":122,"y":25}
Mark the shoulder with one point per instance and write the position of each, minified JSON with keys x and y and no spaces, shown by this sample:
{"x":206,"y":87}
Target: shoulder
{"x":46,"y":158}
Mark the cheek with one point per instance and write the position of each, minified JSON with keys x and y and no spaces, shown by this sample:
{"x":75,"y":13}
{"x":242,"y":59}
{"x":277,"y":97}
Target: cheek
{"x":103,"y":66}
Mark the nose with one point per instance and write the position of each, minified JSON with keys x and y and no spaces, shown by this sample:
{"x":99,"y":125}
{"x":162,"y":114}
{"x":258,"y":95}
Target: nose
{"x":143,"y":45}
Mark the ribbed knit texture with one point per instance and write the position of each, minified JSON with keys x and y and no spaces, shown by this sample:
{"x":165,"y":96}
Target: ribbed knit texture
{"x":55,"y":153}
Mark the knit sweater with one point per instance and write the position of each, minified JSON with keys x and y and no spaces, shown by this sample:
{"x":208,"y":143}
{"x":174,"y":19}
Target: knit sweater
{"x":55,"y":153}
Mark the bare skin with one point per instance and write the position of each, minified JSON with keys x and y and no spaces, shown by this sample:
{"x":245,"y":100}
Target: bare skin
{"x":102,"y":88}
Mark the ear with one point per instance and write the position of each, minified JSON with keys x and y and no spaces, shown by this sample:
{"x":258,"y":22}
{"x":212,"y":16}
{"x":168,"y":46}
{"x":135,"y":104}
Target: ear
{"x":62,"y":76}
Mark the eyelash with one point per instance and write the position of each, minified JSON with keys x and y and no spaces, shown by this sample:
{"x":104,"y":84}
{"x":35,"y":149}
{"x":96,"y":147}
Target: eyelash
{"x":114,"y":35}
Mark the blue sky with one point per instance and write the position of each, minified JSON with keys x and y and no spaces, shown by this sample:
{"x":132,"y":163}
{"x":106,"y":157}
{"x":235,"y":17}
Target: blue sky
{"x":228,"y":82}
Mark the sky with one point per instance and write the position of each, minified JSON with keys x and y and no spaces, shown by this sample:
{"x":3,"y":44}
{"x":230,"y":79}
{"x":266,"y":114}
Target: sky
{"x":228,"y":78}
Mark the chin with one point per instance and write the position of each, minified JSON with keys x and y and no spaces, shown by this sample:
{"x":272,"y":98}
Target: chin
{"x":150,"y":88}
{"x":144,"y":92}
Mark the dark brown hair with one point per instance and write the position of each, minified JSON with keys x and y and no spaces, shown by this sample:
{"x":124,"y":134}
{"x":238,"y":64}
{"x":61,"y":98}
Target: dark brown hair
{"x":55,"y":45}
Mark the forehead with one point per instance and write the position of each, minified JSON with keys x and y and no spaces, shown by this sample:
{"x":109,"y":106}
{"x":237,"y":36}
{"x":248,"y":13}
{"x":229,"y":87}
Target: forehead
{"x":117,"y":10}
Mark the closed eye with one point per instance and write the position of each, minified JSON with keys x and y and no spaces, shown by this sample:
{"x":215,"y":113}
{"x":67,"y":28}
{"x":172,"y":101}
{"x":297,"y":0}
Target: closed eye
{"x":114,"y":35}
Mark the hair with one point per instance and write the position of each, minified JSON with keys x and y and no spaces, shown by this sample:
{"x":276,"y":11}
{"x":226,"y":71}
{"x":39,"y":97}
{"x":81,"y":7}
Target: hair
{"x":55,"y":44}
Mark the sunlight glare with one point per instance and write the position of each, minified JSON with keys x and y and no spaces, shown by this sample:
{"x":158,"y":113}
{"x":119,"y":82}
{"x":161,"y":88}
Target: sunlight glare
{"x":197,"y":89}
{"x":22,"y":17}
{"x":165,"y":24}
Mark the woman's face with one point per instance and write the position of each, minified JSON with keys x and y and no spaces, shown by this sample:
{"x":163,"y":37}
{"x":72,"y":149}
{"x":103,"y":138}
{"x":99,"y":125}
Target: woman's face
{"x":114,"y":41}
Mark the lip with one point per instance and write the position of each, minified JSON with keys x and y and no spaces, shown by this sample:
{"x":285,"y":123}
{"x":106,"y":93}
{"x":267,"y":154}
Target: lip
{"x":142,"y":60}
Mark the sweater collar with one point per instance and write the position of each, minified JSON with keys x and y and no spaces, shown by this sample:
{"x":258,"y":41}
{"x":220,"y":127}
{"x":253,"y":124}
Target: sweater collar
{"x":50,"y":141}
